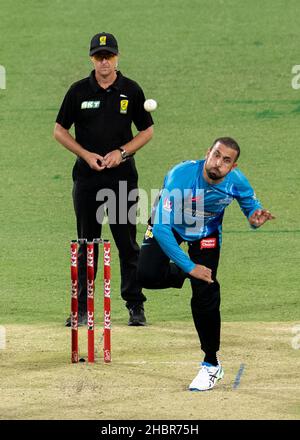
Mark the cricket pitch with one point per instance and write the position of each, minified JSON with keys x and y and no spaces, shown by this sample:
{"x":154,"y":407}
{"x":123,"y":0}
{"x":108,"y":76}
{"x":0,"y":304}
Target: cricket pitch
{"x":149,"y":375}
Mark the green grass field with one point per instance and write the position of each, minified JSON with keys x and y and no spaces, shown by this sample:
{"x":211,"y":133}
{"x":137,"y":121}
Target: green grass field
{"x":216,"y":68}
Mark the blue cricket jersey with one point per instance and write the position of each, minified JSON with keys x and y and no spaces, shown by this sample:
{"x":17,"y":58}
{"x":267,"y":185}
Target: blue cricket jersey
{"x":194,"y":208}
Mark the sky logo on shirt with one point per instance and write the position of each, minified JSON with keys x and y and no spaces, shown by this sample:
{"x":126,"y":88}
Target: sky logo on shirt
{"x":90,"y":104}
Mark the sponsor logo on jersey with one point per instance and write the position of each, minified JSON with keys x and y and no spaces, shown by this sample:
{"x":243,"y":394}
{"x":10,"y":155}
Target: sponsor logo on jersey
{"x":149,"y":233}
{"x":197,"y":213}
{"x":208,"y":243}
{"x":90,"y":104}
{"x":225,"y":201}
{"x":167,"y":204}
{"x":123,"y":106}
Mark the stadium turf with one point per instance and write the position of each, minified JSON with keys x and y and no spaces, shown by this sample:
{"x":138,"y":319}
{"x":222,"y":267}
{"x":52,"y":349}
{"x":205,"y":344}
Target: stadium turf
{"x":216,"y":68}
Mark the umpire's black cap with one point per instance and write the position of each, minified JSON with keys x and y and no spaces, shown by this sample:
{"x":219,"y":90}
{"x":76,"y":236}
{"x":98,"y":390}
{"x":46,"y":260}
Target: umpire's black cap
{"x":103,"y":41}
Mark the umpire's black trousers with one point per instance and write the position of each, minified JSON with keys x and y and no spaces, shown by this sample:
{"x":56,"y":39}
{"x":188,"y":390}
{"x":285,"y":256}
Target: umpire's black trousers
{"x":155,"y":271}
{"x":88,"y":214}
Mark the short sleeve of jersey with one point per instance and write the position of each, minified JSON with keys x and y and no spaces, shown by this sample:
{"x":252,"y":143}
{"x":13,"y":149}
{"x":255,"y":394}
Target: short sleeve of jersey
{"x":141,"y":119}
{"x":66,"y":114}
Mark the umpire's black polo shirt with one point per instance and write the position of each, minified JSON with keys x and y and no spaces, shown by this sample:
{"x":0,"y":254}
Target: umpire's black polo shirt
{"x":103,"y":117}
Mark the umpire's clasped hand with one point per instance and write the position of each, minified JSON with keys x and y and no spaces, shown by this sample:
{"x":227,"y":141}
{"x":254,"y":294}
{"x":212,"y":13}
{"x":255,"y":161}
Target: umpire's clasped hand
{"x":99,"y":163}
{"x":94,"y":160}
{"x":113,"y":159}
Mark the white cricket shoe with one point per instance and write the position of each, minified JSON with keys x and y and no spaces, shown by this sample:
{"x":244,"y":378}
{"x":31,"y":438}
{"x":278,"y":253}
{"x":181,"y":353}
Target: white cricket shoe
{"x":207,"y":377}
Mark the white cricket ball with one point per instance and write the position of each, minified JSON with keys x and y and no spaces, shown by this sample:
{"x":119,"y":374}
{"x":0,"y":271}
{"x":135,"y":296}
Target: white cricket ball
{"x":150,"y":105}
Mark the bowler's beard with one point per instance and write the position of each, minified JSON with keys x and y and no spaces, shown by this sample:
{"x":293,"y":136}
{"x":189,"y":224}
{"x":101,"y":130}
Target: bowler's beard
{"x":213,"y":173}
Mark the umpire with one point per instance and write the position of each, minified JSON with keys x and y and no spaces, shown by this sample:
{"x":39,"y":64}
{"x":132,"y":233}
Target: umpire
{"x":102,"y":108}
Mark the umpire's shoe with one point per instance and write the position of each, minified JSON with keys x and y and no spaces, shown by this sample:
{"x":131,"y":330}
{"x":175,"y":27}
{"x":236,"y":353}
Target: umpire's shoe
{"x":136,"y":315}
{"x":82,"y":320}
